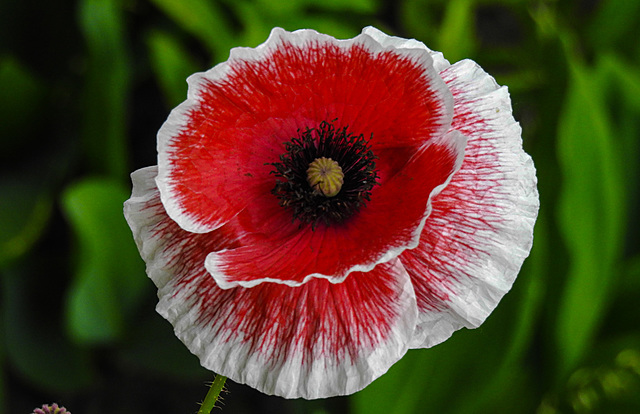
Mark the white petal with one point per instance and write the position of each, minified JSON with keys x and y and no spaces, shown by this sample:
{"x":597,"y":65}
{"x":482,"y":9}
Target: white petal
{"x":439,"y":62}
{"x":309,"y":368}
{"x":481,"y":226}
{"x":314,"y":341}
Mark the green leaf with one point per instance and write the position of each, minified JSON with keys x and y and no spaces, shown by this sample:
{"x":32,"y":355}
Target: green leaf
{"x":24,"y":212}
{"x":257,"y":23}
{"x":457,"y":33}
{"x":203,"y":19}
{"x":520,"y":81}
{"x":106,"y":89}
{"x":284,"y":8}
{"x":21,"y":98}
{"x":625,"y":75}
{"x":358,"y":6}
{"x":172,"y":65}
{"x":420,"y":21}
{"x":615,"y":22}
{"x":621,"y":83}
{"x":591,"y":211}
{"x":109,"y":278}
{"x":331,"y":27}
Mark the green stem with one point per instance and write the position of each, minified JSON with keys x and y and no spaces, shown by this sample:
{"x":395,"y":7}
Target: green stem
{"x":212,"y":396}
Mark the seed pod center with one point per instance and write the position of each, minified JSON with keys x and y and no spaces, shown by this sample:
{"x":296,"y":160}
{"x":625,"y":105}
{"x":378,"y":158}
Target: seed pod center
{"x":325,"y":176}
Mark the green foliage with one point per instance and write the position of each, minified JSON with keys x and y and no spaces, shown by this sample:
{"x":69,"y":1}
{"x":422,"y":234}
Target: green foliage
{"x":24,"y":212}
{"x":204,"y":20}
{"x":109,"y":278}
{"x":592,"y":211}
{"x":106,"y":88}
{"x":79,"y":110}
{"x":21,"y":95}
{"x":456,"y":35}
{"x":613,"y":23}
{"x":171,"y":64}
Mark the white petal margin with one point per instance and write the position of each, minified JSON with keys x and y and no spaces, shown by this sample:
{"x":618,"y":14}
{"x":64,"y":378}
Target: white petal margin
{"x":143,"y":212}
{"x":481,"y":227}
{"x":439,"y":62}
{"x":374,"y":40}
{"x":221,"y":326}
{"x":322,"y":375}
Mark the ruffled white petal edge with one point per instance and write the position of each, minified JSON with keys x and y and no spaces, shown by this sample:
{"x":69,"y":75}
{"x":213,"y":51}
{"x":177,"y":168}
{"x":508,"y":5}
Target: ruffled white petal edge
{"x":439,"y":62}
{"x":294,"y":378}
{"x":227,"y":351}
{"x":497,"y":227}
{"x":142,"y":217}
{"x":374,"y":40}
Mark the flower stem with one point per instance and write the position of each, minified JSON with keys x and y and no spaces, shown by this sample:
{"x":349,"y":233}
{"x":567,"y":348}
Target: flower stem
{"x":212,"y":396}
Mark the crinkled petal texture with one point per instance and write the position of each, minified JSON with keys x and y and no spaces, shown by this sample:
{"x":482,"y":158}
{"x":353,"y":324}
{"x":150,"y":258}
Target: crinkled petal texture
{"x":315,"y":340}
{"x":302,"y":311}
{"x":480,"y":228}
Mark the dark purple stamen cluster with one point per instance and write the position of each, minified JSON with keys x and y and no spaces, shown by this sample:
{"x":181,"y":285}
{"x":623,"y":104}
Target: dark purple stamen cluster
{"x":353,"y":154}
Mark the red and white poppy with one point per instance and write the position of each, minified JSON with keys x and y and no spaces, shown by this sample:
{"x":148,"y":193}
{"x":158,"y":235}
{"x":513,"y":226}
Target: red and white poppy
{"x":320,"y":206}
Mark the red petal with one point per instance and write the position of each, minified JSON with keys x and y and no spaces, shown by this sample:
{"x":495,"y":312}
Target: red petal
{"x":214,"y":147}
{"x":317,"y":340}
{"x":481,"y":226}
{"x":277,"y":251}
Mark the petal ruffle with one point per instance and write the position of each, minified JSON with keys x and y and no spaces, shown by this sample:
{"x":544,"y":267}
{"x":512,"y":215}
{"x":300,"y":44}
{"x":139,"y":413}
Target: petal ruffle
{"x":481,"y":226}
{"x":391,"y":222}
{"x":313,"y":341}
{"x":215,"y":148}
{"x":439,"y":62}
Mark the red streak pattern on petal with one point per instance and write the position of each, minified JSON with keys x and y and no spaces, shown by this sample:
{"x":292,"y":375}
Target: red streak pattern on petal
{"x":328,"y":337}
{"x":276,"y":319}
{"x":318,"y":319}
{"x":467,"y":205}
{"x":481,"y":226}
{"x":244,"y":110}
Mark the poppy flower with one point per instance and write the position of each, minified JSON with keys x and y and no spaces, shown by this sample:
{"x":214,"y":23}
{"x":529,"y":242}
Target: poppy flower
{"x":320,"y":206}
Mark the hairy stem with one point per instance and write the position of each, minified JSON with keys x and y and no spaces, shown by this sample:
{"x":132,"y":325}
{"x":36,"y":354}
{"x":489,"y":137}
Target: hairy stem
{"x":213,"y":394}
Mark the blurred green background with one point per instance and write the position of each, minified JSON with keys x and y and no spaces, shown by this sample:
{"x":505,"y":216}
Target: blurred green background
{"x":84,"y":87}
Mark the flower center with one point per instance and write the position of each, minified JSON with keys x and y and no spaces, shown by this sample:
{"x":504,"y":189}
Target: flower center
{"x":326,"y":175}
